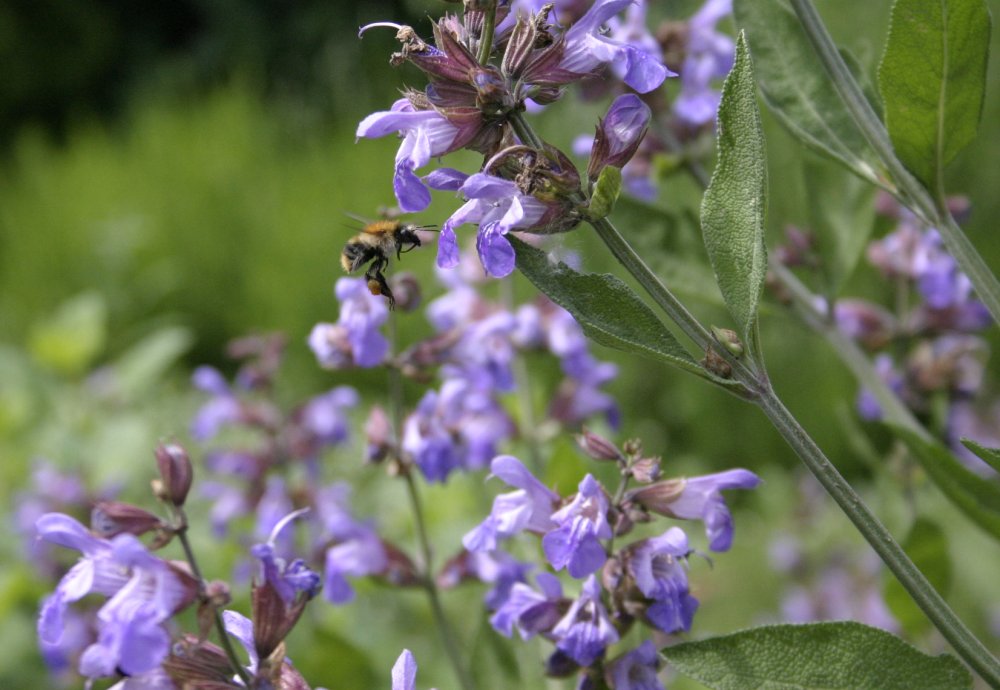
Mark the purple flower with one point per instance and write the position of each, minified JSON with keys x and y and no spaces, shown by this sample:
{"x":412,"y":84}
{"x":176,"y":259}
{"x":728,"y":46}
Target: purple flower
{"x":575,"y":543}
{"x":868,"y":406}
{"x":355,"y":340}
{"x":426,"y":134}
{"x":585,"y":48}
{"x":710,"y":56}
{"x":325,"y":416}
{"x":287,"y":579}
{"x":585,"y":632}
{"x":498,"y":206}
{"x":530,"y":611}
{"x":144,"y":592}
{"x":702,"y":499}
{"x":657,"y":566}
{"x":636,"y":670}
{"x":528,"y":508}
{"x":220,"y":410}
{"x":241,"y":627}
{"x":360,"y":556}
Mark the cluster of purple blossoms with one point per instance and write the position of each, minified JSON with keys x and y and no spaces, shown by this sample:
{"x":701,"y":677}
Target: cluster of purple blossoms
{"x":469,"y":104}
{"x":643,"y":581}
{"x":927,"y":350}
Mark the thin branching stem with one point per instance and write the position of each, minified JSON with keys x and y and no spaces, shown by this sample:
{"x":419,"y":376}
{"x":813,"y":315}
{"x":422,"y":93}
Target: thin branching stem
{"x":448,"y":637}
{"x":933,"y":210}
{"x":225,"y":641}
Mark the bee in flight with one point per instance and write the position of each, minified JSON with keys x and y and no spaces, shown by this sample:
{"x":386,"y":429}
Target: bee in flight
{"x":375,"y":245}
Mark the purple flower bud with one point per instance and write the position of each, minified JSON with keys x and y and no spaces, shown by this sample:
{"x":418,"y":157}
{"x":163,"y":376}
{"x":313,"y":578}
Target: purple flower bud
{"x":618,"y":134}
{"x":176,"y":472}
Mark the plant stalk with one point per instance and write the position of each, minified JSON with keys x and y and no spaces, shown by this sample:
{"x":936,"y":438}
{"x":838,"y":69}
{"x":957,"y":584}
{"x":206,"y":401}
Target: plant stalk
{"x":486,"y":40}
{"x":448,"y":638}
{"x":225,"y":641}
{"x":911,"y":192}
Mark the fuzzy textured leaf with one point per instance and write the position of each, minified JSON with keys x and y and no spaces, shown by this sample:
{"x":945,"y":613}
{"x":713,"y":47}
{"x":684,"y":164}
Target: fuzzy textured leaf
{"x":818,"y":656}
{"x":735,"y":203}
{"x":797,"y":88}
{"x":932,"y":79}
{"x":607,"y":309}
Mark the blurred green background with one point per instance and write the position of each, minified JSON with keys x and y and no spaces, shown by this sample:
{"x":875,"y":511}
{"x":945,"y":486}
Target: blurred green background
{"x":174,"y":175}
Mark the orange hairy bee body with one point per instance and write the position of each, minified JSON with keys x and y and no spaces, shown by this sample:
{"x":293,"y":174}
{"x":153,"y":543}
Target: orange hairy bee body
{"x":375,"y":245}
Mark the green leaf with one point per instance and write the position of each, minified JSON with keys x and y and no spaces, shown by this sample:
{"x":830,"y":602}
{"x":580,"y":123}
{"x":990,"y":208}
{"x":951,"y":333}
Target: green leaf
{"x":607,"y":309}
{"x":932,"y":79}
{"x":977,"y":497}
{"x":72,"y":338}
{"x":927,"y":546}
{"x":733,"y":209}
{"x":991,"y":456}
{"x":842,"y":214}
{"x":796,"y":86}
{"x":147,"y":361}
{"x":818,"y":656}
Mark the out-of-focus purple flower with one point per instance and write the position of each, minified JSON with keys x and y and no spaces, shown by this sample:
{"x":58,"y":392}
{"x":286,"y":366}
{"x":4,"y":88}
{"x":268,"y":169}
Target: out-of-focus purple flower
{"x":426,"y":134}
{"x":229,"y":504}
{"x":501,"y":570}
{"x":456,"y":428}
{"x":637,"y":669}
{"x":497,"y":206}
{"x":355,"y":340}
{"x":575,"y":543}
{"x":325,"y":416}
{"x":144,"y":592}
{"x":618,"y":134}
{"x":966,"y":421}
{"x":156,"y":679}
{"x":241,"y":627}
{"x":699,"y":498}
{"x":586,"y":47}
{"x":710,"y":56}
{"x":868,"y":406}
{"x":528,"y":508}
{"x":530,"y":611}
{"x":360,"y":556}
{"x":272,"y":508}
{"x":221,"y":409}
{"x":586,"y":631}
{"x":657,"y":566}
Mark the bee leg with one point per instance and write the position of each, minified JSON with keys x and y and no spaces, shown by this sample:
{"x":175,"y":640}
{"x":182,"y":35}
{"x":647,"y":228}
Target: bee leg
{"x":377,"y":284}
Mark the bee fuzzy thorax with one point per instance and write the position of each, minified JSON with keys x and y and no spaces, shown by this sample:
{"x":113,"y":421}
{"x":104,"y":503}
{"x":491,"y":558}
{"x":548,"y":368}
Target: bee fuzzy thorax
{"x":374,"y":246}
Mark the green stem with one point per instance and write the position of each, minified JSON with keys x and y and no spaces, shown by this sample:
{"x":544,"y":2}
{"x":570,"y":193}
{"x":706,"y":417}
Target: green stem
{"x":448,"y":638}
{"x":486,"y":40}
{"x":220,"y":625}
{"x":923,"y":593}
{"x":911,"y":192}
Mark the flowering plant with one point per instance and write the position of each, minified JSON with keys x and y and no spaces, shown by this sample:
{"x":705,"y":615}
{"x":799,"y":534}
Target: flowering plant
{"x":608,"y":585}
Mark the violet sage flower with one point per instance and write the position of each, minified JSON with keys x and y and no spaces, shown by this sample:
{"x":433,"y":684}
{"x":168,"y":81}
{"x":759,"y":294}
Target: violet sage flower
{"x":355,"y":340}
{"x":657,"y":566}
{"x":619,"y":134}
{"x":698,"y":498}
{"x":575,"y":543}
{"x":636,"y":669}
{"x":586,"y":631}
{"x":529,"y":508}
{"x":710,"y":56}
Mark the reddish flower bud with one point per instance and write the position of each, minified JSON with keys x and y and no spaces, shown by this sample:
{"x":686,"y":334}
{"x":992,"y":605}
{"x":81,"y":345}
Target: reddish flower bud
{"x":110,"y":518}
{"x":598,"y":447}
{"x":646,"y":470}
{"x":176,"y":473}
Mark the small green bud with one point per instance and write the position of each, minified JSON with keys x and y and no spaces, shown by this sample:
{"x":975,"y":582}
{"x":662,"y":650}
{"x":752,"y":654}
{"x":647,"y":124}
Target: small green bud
{"x":606,"y":191}
{"x":729,"y":340}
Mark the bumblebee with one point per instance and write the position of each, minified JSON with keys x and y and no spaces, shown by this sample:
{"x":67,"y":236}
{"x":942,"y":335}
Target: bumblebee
{"x":374,"y":245}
